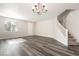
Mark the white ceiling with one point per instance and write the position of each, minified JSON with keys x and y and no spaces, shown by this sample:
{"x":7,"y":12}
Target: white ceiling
{"x":23,"y":11}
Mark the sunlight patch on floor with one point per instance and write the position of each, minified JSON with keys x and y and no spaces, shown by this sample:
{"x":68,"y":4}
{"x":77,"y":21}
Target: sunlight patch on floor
{"x":16,"y":41}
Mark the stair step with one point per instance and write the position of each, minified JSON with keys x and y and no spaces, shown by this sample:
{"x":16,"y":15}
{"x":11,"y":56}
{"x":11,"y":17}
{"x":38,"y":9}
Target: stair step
{"x":71,"y":39}
{"x":74,"y":47}
{"x":72,"y":43}
{"x":70,"y":36}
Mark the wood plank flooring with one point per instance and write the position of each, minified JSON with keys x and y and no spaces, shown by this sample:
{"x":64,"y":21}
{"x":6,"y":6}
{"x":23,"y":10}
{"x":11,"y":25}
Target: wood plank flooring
{"x":34,"y":46}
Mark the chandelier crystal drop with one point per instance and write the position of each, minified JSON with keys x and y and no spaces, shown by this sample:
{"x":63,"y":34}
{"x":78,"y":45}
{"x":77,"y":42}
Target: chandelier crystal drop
{"x":39,"y":8}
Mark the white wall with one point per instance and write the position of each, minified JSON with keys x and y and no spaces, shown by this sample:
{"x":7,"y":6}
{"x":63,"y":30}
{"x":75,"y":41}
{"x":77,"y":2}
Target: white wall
{"x":24,"y":28}
{"x":49,"y":28}
{"x":44,"y":28}
{"x":30,"y":28}
{"x":73,"y":24}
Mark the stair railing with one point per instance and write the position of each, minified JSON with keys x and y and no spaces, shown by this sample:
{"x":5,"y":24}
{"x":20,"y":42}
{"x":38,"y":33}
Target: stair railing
{"x":63,"y":30}
{"x":60,"y":20}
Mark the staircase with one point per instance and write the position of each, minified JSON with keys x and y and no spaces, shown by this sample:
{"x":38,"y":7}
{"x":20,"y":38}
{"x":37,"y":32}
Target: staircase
{"x":62,"y":21}
{"x":71,"y":40}
{"x":72,"y":44}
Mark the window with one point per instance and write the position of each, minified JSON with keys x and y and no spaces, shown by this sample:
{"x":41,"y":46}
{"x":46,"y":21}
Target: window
{"x":10,"y":26}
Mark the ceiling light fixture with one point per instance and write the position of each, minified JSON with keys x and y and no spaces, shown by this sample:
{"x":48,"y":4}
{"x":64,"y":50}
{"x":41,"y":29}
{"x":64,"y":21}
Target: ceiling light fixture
{"x":39,"y":8}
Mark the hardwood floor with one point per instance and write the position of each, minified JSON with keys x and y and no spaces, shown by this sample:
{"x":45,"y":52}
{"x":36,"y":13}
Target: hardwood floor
{"x":34,"y":46}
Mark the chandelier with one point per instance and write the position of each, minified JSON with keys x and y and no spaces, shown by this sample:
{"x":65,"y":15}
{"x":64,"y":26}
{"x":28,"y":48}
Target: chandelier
{"x":39,"y":8}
